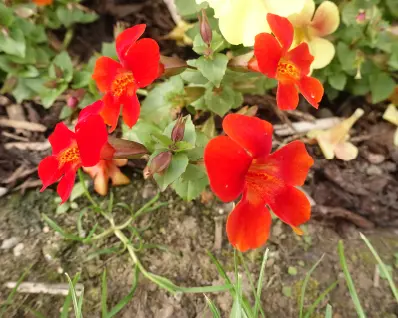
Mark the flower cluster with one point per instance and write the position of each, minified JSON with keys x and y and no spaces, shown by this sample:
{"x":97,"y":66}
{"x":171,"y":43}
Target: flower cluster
{"x":88,"y":145}
{"x":239,"y":163}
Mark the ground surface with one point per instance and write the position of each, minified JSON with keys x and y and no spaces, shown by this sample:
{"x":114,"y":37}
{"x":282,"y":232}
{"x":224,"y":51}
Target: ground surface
{"x":361,"y":195}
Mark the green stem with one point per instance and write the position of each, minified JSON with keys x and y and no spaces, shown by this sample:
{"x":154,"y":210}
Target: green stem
{"x":87,"y":194}
{"x":68,"y":38}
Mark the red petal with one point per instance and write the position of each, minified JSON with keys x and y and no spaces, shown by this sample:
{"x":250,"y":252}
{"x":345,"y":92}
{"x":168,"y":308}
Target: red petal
{"x":48,"y":171}
{"x":282,"y":29}
{"x":127,"y":38}
{"x":291,"y":206}
{"x":251,"y":133}
{"x":93,"y":109}
{"x":61,"y":138}
{"x":66,"y":184}
{"x":227,"y":164}
{"x":287,"y":96}
{"x":131,"y":110}
{"x":301,"y":57}
{"x":91,"y":136}
{"x":111,"y":111}
{"x":268,"y":52}
{"x":290,"y":163}
{"x":105,"y":71}
{"x":312,"y":90}
{"x":143,"y":60}
{"x":248,"y":225}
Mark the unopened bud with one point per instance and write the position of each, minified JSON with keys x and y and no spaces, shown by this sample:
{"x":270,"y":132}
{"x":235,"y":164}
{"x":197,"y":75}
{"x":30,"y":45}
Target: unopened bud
{"x":361,"y":16}
{"x":158,"y":164}
{"x":72,"y":102}
{"x":205,"y":29}
{"x":177,"y":134}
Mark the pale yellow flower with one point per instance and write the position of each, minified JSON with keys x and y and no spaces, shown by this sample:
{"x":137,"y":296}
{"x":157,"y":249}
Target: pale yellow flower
{"x":312,"y":25}
{"x":241,"y":20}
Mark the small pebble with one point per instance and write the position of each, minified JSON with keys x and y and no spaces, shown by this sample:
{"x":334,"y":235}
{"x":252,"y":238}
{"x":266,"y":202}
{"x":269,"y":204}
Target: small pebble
{"x":374,"y":171}
{"x":9,"y":243}
{"x":18,"y":249}
{"x":46,"y":229}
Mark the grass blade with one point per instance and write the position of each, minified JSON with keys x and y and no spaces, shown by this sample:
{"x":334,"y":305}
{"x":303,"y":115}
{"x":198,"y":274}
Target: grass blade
{"x":260,"y":283}
{"x":383,"y":267}
{"x":212,"y":307}
{"x":329,"y":311}
{"x":305,"y":282}
{"x":349,"y":281}
{"x":76,"y":307}
{"x":13,"y":292}
{"x":126,"y":299}
{"x":319,"y":299}
{"x":58,"y":229}
{"x":104,"y":295}
{"x":68,"y":300}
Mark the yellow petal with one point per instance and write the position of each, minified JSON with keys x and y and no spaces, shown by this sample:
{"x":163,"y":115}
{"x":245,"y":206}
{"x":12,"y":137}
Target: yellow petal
{"x":178,"y":34}
{"x":244,"y":21}
{"x":304,"y":17}
{"x":346,"y":151}
{"x":284,"y":8}
{"x":117,"y":177}
{"x":323,"y":52}
{"x":331,"y":139}
{"x":391,"y":114}
{"x":326,"y":19}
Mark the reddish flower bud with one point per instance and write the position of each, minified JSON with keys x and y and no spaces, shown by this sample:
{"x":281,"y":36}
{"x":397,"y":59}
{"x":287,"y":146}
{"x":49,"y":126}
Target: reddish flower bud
{"x":177,"y":134}
{"x":72,"y":102}
{"x":158,"y":164}
{"x":205,"y":28}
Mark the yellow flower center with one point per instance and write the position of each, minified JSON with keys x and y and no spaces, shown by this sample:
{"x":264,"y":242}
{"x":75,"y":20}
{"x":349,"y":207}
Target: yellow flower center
{"x":69,"y":155}
{"x":287,"y":71}
{"x":123,"y":84}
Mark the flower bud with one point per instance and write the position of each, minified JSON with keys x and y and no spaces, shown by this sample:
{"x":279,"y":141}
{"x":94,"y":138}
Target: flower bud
{"x":158,"y":164}
{"x":205,"y":29}
{"x":177,"y":134}
{"x":72,"y":102}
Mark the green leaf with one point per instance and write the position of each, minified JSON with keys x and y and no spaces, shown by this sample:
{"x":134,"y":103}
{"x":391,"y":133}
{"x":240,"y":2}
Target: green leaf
{"x":393,"y":7}
{"x":177,"y":167}
{"x":292,"y":270}
{"x":189,"y":132}
{"x":22,"y":91}
{"x":142,"y":132}
{"x":29,"y":72}
{"x":217,"y":43}
{"x":191,"y":183}
{"x":213,"y":68}
{"x":158,"y":105}
{"x":183,"y":146}
{"x":160,"y":138}
{"x":58,"y":229}
{"x":81,"y":79}
{"x":68,"y":17}
{"x":329,"y":311}
{"x":186,"y":7}
{"x":48,"y":96}
{"x":13,"y":43}
{"x":64,"y":62}
{"x":349,"y":13}
{"x":381,"y":86}
{"x":193,"y":76}
{"x":213,"y":308}
{"x":78,"y":190}
{"x":346,"y":56}
{"x":222,"y":100}
{"x":338,"y":80}
{"x":109,"y":50}
{"x":6,"y":15}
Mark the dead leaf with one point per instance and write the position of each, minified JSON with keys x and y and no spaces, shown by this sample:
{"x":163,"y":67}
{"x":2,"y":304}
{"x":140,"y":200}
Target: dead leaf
{"x":18,"y":124}
{"x":32,"y":146}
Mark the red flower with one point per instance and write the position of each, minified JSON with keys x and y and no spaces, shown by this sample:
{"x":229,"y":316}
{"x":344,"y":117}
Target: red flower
{"x":241,"y":163}
{"x":139,"y":66}
{"x":105,"y":170}
{"x":71,"y":150}
{"x":43,"y":2}
{"x":290,"y":68}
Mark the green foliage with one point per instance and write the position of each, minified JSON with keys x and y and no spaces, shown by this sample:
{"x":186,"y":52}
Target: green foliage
{"x":29,"y":65}
{"x":366,"y":51}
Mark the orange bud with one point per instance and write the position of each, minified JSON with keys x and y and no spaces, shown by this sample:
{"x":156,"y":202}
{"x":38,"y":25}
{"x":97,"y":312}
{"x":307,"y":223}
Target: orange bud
{"x":205,"y":28}
{"x":177,"y":134}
